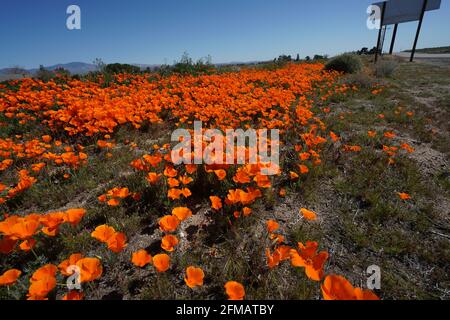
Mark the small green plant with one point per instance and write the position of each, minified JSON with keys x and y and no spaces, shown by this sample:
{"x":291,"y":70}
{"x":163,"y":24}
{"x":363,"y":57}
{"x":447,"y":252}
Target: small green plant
{"x":361,"y":80}
{"x":385,"y":68}
{"x":347,"y":63}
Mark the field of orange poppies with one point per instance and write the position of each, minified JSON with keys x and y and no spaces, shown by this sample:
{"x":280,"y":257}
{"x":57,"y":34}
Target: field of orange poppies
{"x":89,"y":191}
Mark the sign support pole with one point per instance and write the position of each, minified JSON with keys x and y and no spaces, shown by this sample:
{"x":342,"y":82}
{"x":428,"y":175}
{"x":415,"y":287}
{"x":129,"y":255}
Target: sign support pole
{"x":393,"y":39}
{"x":383,"y":9}
{"x":382,"y":39}
{"x":424,"y":7}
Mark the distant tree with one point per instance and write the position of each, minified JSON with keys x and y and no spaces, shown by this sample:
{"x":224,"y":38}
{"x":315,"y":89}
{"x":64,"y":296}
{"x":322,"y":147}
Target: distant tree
{"x":307,"y":58}
{"x":283,"y":59}
{"x":62,"y":72}
{"x":318,"y":57}
{"x":187,"y":66}
{"x":43,"y":74}
{"x":185,"y":59}
{"x":363,"y":50}
{"x":116,"y":68}
{"x":298,"y":58}
{"x":98,"y":62}
{"x":374,"y":50}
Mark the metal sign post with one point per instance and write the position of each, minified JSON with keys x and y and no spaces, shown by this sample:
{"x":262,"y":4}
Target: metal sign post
{"x":425,"y":2}
{"x":394,"y":35}
{"x":383,"y":10}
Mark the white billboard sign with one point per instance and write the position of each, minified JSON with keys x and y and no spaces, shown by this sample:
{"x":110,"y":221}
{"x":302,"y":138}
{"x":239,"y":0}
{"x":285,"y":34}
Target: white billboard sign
{"x":399,"y":11}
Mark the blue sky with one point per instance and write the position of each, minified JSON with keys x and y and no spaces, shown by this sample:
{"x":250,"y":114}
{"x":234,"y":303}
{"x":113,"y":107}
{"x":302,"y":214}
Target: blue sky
{"x":153,"y":32}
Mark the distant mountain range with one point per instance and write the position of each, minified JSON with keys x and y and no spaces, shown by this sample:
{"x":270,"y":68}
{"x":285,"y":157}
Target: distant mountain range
{"x":437,"y":50}
{"x":82,"y":68}
{"x":73,"y":67}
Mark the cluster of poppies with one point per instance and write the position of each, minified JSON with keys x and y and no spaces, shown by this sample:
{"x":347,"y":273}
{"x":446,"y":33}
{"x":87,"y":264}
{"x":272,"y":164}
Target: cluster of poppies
{"x":306,"y":256}
{"x":24,"y":228}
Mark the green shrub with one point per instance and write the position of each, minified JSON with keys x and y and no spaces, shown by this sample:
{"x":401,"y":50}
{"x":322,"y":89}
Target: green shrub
{"x":116,"y":68}
{"x":347,"y":63}
{"x":361,"y":80}
{"x":385,"y":68}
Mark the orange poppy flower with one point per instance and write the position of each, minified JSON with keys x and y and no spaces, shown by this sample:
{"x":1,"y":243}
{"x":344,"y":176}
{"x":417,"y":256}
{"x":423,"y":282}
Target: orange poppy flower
{"x":42,"y":281}
{"x":371,"y":134}
{"x":64,"y":266}
{"x":191,"y":168}
{"x":278,"y":238}
{"x":234,"y":290}
{"x":117,"y":242}
{"x":334,"y":137}
{"x":170,"y":172}
{"x":272,"y":226}
{"x":337,"y":287}
{"x":241,"y":176}
{"x":9,"y":277}
{"x":303,"y":169}
{"x":404,"y":196}
{"x":113,"y":202}
{"x":37,"y":166}
{"x":282,"y":193}
{"x":308,"y":214}
{"x":173,"y":183}
{"x":103,"y":233}
{"x":74,"y":295}
{"x":154,"y":161}
{"x":40,"y":288}
{"x":389,"y":135}
{"x":221,"y":174}
{"x":153,"y":177}
{"x":51,"y":221}
{"x":186,"y":180}
{"x":262,"y":181}
{"x":293,"y":175}
{"x":47,"y":138}
{"x":304,"y":156}
{"x":308,"y":258}
{"x":90,"y":269}
{"x":348,"y":148}
{"x":74,"y":216}
{"x":246,"y":211}
{"x":216,"y":202}
{"x":169,"y":223}
{"x":168,"y":242}
{"x":186,"y":192}
{"x":194,"y":277}
{"x":27,"y":245}
{"x":121,"y":193}
{"x":161,"y":262}
{"x":174,"y":194}
{"x":274,"y":259}
{"x":24,"y":229}
{"x":141,"y":258}
{"x":182,"y":213}
{"x":284,"y":252}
